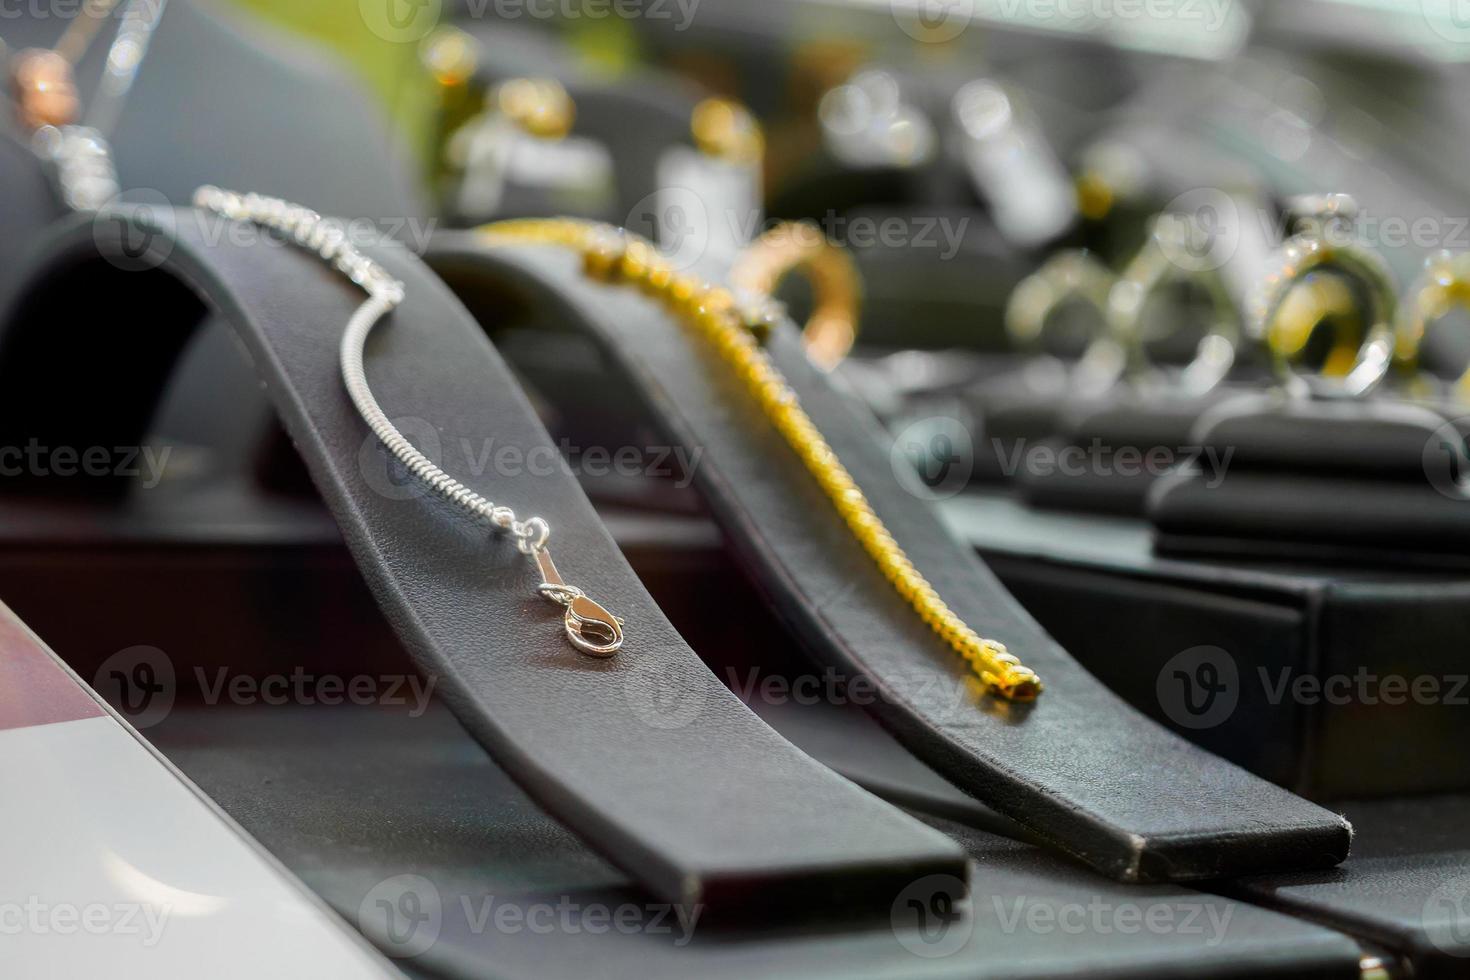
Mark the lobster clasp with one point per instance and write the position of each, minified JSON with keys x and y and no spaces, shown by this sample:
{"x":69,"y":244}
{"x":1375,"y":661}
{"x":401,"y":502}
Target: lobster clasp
{"x":591,"y":628}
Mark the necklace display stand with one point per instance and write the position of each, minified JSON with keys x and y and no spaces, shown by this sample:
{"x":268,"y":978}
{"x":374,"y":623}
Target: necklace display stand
{"x":645,"y":756}
{"x":1078,"y":767}
{"x":260,"y":83}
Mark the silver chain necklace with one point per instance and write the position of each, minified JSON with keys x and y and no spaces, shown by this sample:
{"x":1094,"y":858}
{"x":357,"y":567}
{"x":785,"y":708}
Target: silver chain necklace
{"x":589,"y":627}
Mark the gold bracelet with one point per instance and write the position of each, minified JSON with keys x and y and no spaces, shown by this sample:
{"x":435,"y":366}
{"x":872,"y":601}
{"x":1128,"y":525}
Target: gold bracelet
{"x":800,"y":246}
{"x":611,"y":255}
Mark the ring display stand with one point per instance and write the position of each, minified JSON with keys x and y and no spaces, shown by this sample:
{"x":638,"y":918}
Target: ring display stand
{"x":1371,"y":483}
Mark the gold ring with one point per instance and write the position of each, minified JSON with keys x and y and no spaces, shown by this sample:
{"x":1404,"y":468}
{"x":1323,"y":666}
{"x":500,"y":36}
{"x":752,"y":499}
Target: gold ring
{"x":1157,"y":266}
{"x":800,"y":246}
{"x":1444,"y":285}
{"x":1068,"y":276}
{"x":1292,"y":301}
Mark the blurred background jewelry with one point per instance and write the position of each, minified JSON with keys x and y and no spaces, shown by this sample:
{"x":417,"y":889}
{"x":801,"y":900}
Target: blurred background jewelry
{"x":1324,"y":244}
{"x":44,"y":85}
{"x":725,"y":129}
{"x":1168,"y":259}
{"x":589,"y":626}
{"x":1441,"y":288}
{"x":800,"y":246}
{"x":1072,"y":287}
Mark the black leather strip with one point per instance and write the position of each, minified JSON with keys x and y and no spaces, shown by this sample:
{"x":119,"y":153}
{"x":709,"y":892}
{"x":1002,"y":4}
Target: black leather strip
{"x":645,"y":755}
{"x":1079,"y":767}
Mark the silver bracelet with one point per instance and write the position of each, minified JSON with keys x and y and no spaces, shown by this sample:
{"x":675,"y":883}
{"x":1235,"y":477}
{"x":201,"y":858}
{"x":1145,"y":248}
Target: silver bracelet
{"x":589,"y":627}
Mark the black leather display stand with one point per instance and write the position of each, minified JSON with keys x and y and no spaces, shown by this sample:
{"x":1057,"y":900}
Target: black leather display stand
{"x":645,"y":755}
{"x":1078,"y":767}
{"x":1108,"y":456}
{"x":1374,"y":482}
{"x":1407,"y":888}
{"x":353,"y":797}
{"x":257,"y":107}
{"x":1335,"y":682}
{"x":293,"y":778}
{"x":27,"y":205}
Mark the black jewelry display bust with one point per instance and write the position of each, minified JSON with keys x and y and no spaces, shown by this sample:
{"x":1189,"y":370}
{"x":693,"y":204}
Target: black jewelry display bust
{"x":646,"y":756}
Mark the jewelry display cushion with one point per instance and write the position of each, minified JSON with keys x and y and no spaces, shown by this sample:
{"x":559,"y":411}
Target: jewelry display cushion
{"x":27,"y":205}
{"x":1313,"y":667}
{"x":1106,"y":457}
{"x":1372,"y":483}
{"x":1078,"y":767}
{"x":710,"y":806}
{"x":340,"y":795}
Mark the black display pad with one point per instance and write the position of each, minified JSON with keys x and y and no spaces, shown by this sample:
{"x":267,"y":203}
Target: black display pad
{"x":27,"y":205}
{"x":1406,"y":889}
{"x":646,"y":756}
{"x":341,"y":812}
{"x":1372,"y":482}
{"x":1305,"y":658}
{"x":1079,"y":767}
{"x":1111,"y":451}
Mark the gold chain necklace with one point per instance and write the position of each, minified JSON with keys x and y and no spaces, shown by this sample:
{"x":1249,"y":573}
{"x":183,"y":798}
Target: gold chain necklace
{"x":611,"y":255}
